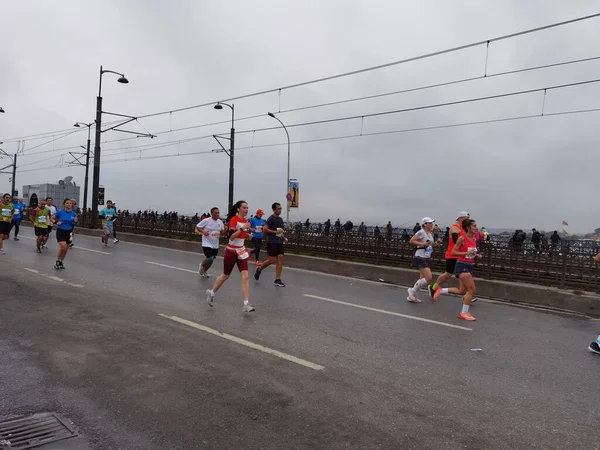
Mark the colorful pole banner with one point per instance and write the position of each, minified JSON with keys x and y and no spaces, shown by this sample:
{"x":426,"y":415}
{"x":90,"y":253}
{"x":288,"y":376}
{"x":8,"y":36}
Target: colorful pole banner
{"x":293,"y":195}
{"x":101,"y":196}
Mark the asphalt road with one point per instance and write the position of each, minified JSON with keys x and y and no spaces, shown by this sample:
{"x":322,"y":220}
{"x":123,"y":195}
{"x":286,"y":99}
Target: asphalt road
{"x":122,"y":343}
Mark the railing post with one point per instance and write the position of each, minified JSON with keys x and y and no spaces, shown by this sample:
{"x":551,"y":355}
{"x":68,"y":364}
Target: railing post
{"x":563,"y":281}
{"x":490,"y":250}
{"x":335,"y":243}
{"x":298,"y":232}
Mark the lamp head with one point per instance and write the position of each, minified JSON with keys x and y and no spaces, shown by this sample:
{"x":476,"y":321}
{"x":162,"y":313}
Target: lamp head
{"x":218,"y":106}
{"x":271,"y":114}
{"x":123,"y":80}
{"x":76,"y":124}
{"x":2,"y":109}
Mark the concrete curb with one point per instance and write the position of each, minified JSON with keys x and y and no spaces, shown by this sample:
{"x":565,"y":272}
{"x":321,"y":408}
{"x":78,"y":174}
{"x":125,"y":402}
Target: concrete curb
{"x":520,"y":293}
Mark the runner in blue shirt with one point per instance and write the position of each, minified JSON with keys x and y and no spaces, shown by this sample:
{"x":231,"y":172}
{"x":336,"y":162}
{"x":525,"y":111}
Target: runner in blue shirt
{"x":65,"y":219}
{"x":108,"y":216}
{"x":19,"y":207}
{"x":257,"y":223}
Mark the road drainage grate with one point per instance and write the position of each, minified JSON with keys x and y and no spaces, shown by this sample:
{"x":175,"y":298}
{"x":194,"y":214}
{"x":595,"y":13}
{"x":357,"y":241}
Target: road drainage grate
{"x":33,"y":431}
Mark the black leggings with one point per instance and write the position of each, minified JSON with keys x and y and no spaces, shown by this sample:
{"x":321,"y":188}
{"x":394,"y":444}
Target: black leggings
{"x":257,"y":245}
{"x":17,"y":224}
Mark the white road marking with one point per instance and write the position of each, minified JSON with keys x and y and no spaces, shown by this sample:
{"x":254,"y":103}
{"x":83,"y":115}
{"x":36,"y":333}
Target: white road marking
{"x":241,"y":341}
{"x":171,"y":267}
{"x":78,"y":248}
{"x":52,"y":277}
{"x":91,"y":250}
{"x":391,"y":313}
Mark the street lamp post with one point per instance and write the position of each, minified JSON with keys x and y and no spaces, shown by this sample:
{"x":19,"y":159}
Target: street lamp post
{"x":87,"y":167}
{"x":231,"y":151}
{"x":98,"y":122}
{"x":287,"y":186}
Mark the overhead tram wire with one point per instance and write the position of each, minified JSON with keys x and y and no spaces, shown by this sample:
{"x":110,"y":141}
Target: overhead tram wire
{"x":408,"y":130}
{"x":369,"y":97}
{"x":154,"y":146}
{"x":380,"y":133}
{"x":359,"y":71}
{"x":381,"y":66}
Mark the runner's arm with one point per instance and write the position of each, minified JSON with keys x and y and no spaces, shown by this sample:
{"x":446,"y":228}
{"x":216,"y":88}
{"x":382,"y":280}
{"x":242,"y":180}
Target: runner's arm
{"x":459,"y":243}
{"x":416,"y":241}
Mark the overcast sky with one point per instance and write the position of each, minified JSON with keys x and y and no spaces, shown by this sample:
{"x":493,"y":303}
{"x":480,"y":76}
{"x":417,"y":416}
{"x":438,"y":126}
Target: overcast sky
{"x":522,"y":173}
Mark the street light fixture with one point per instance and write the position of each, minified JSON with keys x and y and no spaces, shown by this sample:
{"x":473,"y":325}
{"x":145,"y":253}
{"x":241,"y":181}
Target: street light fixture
{"x":98,"y":122}
{"x":219,"y":106}
{"x":2,"y":109}
{"x":287,"y":214}
{"x":87,"y":167}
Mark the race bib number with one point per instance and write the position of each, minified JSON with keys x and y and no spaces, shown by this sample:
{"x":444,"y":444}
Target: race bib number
{"x":16,"y":211}
{"x":215,"y":234}
{"x":41,"y":219}
{"x":472,"y":252}
{"x":5,"y":212}
{"x":242,"y":254}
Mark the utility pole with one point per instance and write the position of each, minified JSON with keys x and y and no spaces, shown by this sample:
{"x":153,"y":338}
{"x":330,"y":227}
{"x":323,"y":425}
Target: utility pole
{"x":14,"y":175}
{"x":12,"y":165}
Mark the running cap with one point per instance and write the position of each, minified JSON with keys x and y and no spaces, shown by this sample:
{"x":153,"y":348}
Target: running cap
{"x":427,"y":220}
{"x":463,"y":214}
{"x":260,"y":212}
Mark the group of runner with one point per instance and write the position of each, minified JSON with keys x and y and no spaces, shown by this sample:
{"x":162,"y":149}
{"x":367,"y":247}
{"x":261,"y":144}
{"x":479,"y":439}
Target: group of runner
{"x":460,"y":260}
{"x":44,"y":216}
{"x":239,"y":230}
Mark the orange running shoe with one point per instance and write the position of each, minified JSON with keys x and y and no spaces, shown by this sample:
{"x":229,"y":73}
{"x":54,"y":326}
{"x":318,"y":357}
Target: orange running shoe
{"x":466,"y":316}
{"x":437,"y":294}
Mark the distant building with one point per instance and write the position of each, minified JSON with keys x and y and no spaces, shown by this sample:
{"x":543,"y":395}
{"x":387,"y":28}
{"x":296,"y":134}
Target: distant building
{"x":33,"y":193}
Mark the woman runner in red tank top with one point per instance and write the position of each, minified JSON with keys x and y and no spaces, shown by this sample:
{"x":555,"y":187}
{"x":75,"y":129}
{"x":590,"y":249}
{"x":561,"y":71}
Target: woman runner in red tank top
{"x":465,"y":251}
{"x":235,"y":254}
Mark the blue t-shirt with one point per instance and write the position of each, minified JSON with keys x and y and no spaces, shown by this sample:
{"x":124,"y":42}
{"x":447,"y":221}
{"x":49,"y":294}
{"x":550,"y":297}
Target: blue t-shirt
{"x":108,"y":213}
{"x":19,"y":210}
{"x":257,"y":223}
{"x":67,"y":218}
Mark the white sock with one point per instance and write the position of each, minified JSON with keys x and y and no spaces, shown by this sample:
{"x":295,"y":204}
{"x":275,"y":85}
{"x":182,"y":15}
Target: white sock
{"x":245,"y":302}
{"x":445,"y":291}
{"x":417,"y":285}
{"x":212,"y":293}
{"x":465,"y":308}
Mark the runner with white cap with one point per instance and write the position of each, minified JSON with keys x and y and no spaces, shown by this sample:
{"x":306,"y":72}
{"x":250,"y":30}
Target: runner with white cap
{"x":455,"y":232}
{"x":424,"y":241}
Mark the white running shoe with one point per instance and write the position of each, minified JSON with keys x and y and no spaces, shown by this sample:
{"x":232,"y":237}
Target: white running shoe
{"x":209,"y":298}
{"x":412,"y":297}
{"x":248,"y":308}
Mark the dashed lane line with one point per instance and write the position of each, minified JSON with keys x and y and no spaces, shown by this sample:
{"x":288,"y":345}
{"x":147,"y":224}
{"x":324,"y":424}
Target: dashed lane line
{"x":391,"y":313}
{"x":246,"y":343}
{"x":53,"y":278}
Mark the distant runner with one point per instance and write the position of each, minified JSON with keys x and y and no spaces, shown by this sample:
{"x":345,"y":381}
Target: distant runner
{"x":275,"y":245}
{"x":40,"y":218}
{"x":257,"y":223}
{"x":424,"y":241}
{"x":455,"y":231}
{"x":18,"y":216}
{"x":65,"y":219}
{"x":108,"y":216}
{"x":465,"y":250}
{"x":211,"y":229}
{"x":7,"y":211}
{"x":50,"y":205}
{"x":235,"y":254}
